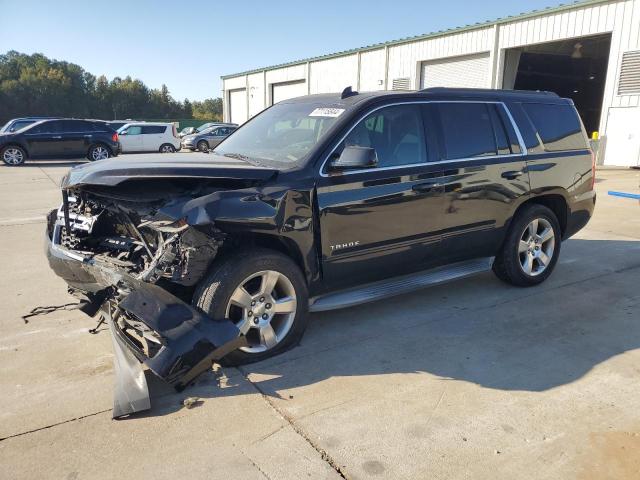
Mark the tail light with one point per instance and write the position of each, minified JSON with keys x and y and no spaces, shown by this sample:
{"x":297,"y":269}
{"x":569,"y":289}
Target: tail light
{"x":114,"y":137}
{"x":593,"y":169}
{"x":175,"y":132}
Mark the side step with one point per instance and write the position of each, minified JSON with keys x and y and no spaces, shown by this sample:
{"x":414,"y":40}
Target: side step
{"x":399,"y":285}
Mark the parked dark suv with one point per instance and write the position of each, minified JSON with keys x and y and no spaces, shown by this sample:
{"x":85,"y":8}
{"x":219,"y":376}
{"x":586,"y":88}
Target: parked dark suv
{"x":317,"y":203}
{"x":59,"y":138}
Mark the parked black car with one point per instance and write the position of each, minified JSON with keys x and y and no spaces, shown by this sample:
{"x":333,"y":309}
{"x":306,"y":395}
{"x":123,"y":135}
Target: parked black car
{"x":317,"y":203}
{"x":16,"y":124}
{"x":60,"y":138}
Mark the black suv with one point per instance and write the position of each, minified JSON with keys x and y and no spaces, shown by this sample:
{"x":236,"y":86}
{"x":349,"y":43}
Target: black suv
{"x":59,"y":138}
{"x":317,"y":203}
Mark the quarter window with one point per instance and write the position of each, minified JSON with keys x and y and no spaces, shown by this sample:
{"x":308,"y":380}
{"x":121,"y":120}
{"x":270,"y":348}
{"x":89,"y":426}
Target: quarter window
{"x":558,"y":126}
{"x":396,"y":133}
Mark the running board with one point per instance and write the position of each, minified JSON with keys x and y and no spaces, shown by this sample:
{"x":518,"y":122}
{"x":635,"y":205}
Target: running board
{"x":399,"y":285}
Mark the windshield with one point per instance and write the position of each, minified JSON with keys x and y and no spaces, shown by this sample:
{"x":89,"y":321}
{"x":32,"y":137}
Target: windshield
{"x":203,"y":127}
{"x":19,"y":125}
{"x":285,"y":133}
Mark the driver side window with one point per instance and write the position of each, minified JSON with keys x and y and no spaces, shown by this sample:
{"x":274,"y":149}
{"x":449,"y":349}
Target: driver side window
{"x":396,"y":133}
{"x":134,"y":130}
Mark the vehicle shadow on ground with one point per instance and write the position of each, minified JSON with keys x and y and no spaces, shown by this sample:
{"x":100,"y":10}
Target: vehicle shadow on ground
{"x":476,"y":330}
{"x":67,"y":163}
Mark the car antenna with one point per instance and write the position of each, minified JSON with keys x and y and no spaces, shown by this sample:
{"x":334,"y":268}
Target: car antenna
{"x":348,"y":92}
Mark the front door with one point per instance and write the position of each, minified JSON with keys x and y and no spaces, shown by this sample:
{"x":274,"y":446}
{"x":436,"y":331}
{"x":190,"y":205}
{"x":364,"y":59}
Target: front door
{"x":45,"y":140}
{"x":131,"y":139}
{"x":382,"y":221}
{"x":485,"y":176}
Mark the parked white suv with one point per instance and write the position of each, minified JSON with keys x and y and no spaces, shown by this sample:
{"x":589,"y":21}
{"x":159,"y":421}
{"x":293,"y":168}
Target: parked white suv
{"x":149,"y":137}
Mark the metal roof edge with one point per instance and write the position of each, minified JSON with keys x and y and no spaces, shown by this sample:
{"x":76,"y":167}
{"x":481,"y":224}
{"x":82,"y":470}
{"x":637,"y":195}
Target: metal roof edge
{"x":498,"y":21}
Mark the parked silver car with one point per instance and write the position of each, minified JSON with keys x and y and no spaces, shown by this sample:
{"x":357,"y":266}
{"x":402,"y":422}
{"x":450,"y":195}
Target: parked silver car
{"x":209,"y":138}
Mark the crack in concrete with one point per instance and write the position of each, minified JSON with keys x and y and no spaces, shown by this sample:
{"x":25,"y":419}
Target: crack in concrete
{"x":264,"y":474}
{"x":54,"y":425}
{"x":296,"y":428}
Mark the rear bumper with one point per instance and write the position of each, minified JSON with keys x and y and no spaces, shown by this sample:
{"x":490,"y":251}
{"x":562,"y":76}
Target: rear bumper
{"x":580,"y":212}
{"x":174,"y":340}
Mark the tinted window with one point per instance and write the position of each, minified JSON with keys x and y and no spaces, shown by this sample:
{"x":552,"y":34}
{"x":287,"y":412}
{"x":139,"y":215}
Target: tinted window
{"x":396,"y":133}
{"x":55,"y":126}
{"x":72,"y":126}
{"x":502,"y":142}
{"x":467,"y":130}
{"x":150,"y":129}
{"x":559,"y":126}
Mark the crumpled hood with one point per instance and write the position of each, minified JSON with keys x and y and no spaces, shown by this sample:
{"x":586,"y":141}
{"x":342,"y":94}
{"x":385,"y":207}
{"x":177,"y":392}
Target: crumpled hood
{"x":163,"y":166}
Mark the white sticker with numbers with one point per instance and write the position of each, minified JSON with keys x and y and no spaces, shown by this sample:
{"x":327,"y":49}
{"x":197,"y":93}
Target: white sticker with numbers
{"x":327,"y":112}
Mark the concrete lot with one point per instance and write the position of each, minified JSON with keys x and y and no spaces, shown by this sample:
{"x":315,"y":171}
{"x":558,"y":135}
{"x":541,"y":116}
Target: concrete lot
{"x":474,"y":379}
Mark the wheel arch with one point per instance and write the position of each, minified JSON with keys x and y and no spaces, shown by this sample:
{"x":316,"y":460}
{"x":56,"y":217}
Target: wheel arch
{"x":16,"y":144}
{"x":555,"y":202}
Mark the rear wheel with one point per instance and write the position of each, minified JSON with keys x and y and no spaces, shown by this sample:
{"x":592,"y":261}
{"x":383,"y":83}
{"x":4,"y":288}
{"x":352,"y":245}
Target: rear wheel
{"x":530,"y":251}
{"x":13,"y":155}
{"x":265,"y":295}
{"x":98,"y":152}
{"x":203,"y":146}
{"x":167,"y":148}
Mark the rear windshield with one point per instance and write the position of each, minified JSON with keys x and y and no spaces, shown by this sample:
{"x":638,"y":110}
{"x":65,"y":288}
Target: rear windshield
{"x":282,"y":134}
{"x":559,"y":126}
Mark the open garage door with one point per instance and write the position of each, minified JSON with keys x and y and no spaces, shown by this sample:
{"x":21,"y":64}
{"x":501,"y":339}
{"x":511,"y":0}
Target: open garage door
{"x":575,"y":68}
{"x":286,"y":90}
{"x":238,"y":106}
{"x":471,"y":71}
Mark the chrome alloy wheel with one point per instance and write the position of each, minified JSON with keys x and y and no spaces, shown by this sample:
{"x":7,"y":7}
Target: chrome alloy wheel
{"x":13,"y":156}
{"x":536,"y":247}
{"x":263,"y":308}
{"x":99,"y":153}
{"x":167,"y":149}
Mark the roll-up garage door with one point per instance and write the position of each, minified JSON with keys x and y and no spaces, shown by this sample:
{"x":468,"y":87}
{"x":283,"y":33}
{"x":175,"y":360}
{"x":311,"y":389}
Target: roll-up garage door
{"x":471,"y":71}
{"x":286,"y":90}
{"x":238,"y":105}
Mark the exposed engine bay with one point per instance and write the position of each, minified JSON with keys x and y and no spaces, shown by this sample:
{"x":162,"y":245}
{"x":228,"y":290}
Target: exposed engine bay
{"x":147,"y":248}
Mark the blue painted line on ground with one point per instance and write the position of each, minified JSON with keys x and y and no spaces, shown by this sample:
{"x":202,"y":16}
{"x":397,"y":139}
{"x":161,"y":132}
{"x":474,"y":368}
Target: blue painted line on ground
{"x":624,"y":194}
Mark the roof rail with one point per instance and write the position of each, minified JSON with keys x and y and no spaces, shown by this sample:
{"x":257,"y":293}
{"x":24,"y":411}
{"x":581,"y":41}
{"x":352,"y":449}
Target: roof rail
{"x":487,"y":90}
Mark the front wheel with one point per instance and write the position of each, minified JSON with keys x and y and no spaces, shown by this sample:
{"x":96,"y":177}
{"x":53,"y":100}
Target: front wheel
{"x":98,"y":152}
{"x":13,"y":155}
{"x":530,"y":251}
{"x":264,"y":293}
{"x":167,"y":148}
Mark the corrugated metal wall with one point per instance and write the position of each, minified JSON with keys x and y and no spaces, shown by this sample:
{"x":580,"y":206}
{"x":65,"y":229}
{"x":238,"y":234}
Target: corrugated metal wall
{"x":377,"y":68}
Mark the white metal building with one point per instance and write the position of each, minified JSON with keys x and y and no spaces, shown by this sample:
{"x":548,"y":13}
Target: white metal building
{"x":588,"y":51}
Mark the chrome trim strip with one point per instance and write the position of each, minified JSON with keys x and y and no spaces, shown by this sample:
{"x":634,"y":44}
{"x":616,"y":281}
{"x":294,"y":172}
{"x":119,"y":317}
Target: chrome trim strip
{"x":523,"y":148}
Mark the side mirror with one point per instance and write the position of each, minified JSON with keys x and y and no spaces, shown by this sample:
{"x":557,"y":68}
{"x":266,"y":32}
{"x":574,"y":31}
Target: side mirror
{"x":354,"y":158}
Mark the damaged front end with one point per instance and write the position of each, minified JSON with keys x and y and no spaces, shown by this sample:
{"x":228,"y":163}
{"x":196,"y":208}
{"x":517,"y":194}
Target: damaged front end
{"x":137,"y":266}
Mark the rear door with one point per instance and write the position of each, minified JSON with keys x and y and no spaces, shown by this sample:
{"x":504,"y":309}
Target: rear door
{"x":75,"y":138}
{"x":382,"y":221}
{"x":153,"y":136}
{"x":484,"y":176}
{"x":217,"y":136}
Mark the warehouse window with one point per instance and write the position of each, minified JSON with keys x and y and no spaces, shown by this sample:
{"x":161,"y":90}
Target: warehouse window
{"x":467,"y":130}
{"x":558,"y":126}
{"x":395,"y":133}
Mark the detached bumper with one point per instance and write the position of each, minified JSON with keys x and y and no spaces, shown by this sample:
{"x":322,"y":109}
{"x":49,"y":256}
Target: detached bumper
{"x":149,"y":327}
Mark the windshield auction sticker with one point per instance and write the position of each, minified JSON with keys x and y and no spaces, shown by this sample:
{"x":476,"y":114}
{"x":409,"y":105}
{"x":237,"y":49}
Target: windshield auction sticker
{"x":327,"y":112}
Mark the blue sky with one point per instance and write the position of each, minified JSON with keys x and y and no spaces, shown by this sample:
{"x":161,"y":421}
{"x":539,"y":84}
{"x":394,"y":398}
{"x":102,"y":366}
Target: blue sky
{"x":189,"y":48}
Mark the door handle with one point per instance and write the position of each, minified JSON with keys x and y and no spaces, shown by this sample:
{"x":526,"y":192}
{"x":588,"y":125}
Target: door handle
{"x":425,"y":187}
{"x":57,"y":137}
{"x":512,"y":175}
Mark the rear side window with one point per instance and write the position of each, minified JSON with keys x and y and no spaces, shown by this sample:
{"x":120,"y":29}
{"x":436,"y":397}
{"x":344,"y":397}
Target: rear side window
{"x":468,"y":130}
{"x":559,"y":126}
{"x":150,"y":129}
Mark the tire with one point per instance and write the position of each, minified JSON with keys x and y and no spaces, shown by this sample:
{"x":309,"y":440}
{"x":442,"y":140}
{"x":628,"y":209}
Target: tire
{"x":214,"y":297}
{"x":13,"y":155}
{"x":526,"y":260}
{"x":98,"y":151}
{"x":203,"y":146}
{"x":167,"y":148}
